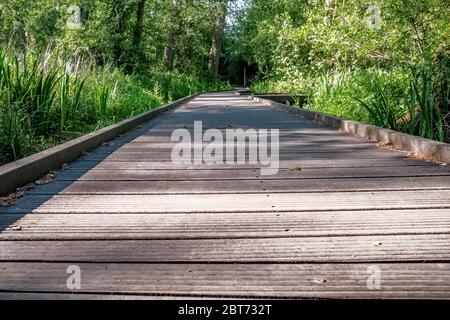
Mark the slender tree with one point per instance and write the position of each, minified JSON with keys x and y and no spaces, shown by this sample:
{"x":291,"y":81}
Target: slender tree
{"x":220,"y":10}
{"x":137,"y":53}
{"x":137,"y":37}
{"x":172,"y":35}
{"x":119,"y":16}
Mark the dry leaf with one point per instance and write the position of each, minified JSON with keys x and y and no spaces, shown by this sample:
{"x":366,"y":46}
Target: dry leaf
{"x":386,"y":146}
{"x":12,"y":198}
{"x":422,"y":157}
{"x":320,"y":280}
{"x":295,"y":169}
{"x":26,"y":187}
{"x":48,"y":178}
{"x":376,"y":244}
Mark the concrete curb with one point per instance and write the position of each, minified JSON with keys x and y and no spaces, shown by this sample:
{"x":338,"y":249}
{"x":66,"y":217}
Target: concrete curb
{"x":284,"y":98}
{"x":400,"y":141}
{"x":23,"y":171}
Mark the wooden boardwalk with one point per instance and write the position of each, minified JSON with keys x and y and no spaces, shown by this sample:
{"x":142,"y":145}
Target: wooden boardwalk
{"x":339,"y":213}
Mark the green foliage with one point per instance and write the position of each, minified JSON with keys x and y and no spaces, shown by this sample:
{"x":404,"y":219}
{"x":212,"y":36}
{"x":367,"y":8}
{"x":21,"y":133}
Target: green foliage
{"x":381,"y":111}
{"x":43,"y":103}
{"x":349,"y":69}
{"x":60,"y":80}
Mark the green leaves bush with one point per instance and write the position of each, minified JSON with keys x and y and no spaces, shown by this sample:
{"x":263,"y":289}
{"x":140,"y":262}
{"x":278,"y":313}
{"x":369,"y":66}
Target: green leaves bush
{"x":396,"y":76}
{"x":43,"y":103}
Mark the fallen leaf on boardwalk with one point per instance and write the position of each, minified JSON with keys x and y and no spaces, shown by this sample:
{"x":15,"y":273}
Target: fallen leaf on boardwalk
{"x":12,"y":198}
{"x":422,"y":157}
{"x":48,"y":178}
{"x":376,"y":244}
{"x":386,"y":146}
{"x":16,"y":228}
{"x":320,"y":280}
{"x":27,"y":187}
{"x":5,"y":202}
{"x":65,"y":166}
{"x":295,"y":169}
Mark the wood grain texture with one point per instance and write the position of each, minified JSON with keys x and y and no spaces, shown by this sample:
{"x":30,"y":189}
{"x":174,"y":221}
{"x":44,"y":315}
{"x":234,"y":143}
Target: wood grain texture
{"x":266,"y":250}
{"x":402,"y":280}
{"x":140,"y":226}
{"x":296,"y":172}
{"x":223,"y":226}
{"x":247,"y":186}
{"x":220,"y":203}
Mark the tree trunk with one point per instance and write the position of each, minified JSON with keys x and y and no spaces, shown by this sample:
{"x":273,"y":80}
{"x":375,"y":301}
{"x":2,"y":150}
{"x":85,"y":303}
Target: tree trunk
{"x":172,"y":36}
{"x":216,"y":46}
{"x":139,"y":24}
{"x":18,"y":36}
{"x":136,"y":55}
{"x":119,"y":15}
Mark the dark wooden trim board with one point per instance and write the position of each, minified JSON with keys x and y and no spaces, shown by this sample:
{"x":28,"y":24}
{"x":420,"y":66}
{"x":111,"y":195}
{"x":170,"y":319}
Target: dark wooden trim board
{"x":401,"y":141}
{"x":28,"y":169}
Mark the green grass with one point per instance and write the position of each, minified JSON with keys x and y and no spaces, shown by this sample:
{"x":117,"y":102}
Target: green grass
{"x":42,"y":103}
{"x":395,"y":99}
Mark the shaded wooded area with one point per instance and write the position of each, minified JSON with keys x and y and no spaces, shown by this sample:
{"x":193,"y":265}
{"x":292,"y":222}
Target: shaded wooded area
{"x":384,"y":62}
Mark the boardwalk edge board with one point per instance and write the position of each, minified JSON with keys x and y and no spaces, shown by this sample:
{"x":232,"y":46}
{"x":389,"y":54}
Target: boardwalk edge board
{"x":28,"y":169}
{"x":421,"y":147}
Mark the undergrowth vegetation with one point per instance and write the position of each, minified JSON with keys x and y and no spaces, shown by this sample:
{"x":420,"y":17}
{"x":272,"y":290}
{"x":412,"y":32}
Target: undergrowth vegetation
{"x":71,"y":67}
{"x":45,"y":101}
{"x":383,"y":62}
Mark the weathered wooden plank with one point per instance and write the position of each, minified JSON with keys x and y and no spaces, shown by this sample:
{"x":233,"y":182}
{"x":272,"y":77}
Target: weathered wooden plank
{"x":153,"y":137}
{"x":285,"y":164}
{"x":284,"y":144}
{"x":251,"y":174}
{"x":219,"y":203}
{"x":401,"y":248}
{"x":330,"y":155}
{"x":80,"y":296}
{"x":225,"y":225}
{"x":398,"y":280}
{"x":254,"y":149}
{"x":243,"y":186}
